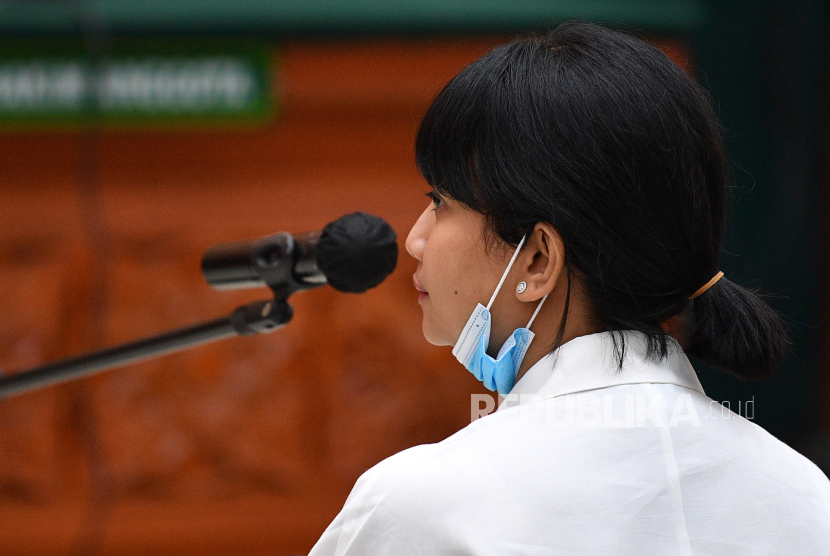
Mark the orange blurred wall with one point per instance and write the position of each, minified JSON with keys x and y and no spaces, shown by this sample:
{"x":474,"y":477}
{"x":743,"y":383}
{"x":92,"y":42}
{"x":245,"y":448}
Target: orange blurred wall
{"x":248,"y":446}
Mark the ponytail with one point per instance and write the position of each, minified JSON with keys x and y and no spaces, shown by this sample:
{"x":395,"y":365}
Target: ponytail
{"x":736,"y":332}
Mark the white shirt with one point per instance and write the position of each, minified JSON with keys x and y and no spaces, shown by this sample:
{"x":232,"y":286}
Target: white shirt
{"x":582,"y":458}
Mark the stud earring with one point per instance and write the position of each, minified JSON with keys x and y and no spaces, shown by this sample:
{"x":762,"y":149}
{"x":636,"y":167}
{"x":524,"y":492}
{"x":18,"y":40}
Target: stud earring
{"x":521,"y":287}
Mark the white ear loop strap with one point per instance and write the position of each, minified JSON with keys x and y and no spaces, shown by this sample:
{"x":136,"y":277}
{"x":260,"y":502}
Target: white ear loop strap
{"x":536,"y":312}
{"x":506,"y":272}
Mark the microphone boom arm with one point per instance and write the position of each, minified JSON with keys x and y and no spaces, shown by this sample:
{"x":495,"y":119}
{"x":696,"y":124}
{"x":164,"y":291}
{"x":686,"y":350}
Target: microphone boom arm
{"x":258,"y":317}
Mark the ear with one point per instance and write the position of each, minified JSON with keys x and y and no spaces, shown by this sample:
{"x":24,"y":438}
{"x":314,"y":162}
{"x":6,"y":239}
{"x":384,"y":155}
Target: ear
{"x":542,"y":262}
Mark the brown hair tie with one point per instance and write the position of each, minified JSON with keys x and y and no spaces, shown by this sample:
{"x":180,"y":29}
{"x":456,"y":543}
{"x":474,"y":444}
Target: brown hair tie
{"x":707,"y":285}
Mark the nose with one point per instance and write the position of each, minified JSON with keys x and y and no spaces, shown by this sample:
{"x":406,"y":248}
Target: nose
{"x":416,"y":241}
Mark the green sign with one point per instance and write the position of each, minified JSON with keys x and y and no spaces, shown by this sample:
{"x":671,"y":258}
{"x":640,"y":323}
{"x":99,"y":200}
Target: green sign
{"x":139,"y":84}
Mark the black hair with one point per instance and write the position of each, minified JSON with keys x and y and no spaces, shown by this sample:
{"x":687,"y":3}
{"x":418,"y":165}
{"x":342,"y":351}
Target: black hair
{"x":601,"y":135}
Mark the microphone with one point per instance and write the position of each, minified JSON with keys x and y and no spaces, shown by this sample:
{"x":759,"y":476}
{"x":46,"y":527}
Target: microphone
{"x":351,"y":254}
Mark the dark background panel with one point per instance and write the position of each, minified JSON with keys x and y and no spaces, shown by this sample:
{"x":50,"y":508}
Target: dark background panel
{"x":766,"y":66}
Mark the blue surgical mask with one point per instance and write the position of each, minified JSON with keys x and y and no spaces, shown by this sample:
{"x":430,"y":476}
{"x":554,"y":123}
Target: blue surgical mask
{"x":471,"y":347}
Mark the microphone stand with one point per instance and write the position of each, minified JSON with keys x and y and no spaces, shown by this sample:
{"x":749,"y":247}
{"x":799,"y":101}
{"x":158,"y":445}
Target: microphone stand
{"x":258,"y":317}
{"x":278,"y":261}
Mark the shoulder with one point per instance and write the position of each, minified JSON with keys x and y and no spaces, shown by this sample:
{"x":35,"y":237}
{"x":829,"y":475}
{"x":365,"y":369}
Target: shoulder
{"x":445,"y":478}
{"x":779,"y":464}
{"x":430,"y":466}
{"x":422,"y":496}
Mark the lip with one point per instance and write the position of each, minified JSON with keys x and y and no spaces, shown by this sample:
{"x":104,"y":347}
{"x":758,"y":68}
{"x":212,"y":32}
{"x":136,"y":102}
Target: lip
{"x":423,"y":293}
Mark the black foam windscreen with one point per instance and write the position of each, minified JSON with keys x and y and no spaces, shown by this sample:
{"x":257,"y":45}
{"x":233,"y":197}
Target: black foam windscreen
{"x":357,"y":252}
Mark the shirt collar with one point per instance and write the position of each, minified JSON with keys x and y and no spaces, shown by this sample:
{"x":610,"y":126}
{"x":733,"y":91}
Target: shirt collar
{"x":590,"y":362}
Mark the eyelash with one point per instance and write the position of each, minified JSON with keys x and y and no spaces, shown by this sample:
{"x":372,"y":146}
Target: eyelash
{"x":436,"y":199}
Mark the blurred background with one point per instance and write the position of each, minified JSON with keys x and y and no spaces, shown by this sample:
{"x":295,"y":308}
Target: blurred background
{"x":136,"y":134}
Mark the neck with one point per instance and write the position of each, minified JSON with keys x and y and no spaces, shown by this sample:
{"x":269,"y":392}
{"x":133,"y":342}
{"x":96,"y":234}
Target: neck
{"x":543,"y":345}
{"x":547,"y":325}
{"x":509,"y":314}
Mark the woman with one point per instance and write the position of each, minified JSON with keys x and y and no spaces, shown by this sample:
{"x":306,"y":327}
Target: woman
{"x":578,"y":184}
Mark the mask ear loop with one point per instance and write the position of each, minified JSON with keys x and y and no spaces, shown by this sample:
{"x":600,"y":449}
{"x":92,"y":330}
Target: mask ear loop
{"x":536,"y":312}
{"x":506,"y":272}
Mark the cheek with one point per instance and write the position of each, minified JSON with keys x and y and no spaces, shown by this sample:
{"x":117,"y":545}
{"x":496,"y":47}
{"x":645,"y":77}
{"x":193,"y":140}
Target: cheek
{"x":457,"y":273}
{"x":440,"y":307}
{"x":451,"y":297}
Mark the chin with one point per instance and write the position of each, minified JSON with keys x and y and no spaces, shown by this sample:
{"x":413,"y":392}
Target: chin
{"x":434,"y":336}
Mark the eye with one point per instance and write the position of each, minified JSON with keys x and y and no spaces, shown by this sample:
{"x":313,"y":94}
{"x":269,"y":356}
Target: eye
{"x":436,"y":199}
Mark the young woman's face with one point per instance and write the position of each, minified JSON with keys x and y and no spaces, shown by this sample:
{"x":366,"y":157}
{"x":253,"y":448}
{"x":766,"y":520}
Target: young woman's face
{"x":455,"y":271}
